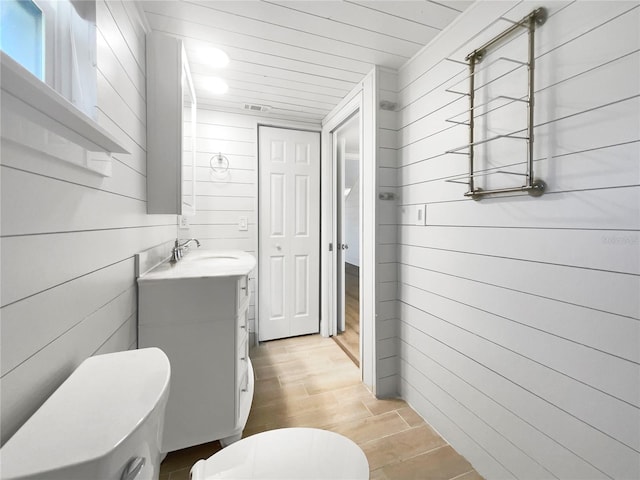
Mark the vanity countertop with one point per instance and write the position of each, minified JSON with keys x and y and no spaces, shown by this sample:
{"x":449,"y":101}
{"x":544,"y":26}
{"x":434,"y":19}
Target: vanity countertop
{"x":203,"y":264}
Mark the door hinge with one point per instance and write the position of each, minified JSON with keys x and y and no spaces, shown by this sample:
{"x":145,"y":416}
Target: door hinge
{"x":331,"y":247}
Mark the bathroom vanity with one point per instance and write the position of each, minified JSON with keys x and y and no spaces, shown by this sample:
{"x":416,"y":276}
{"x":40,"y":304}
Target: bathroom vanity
{"x":195,"y":310}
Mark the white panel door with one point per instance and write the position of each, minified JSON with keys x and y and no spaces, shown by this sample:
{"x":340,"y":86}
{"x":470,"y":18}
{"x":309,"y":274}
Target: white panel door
{"x":289,"y":250}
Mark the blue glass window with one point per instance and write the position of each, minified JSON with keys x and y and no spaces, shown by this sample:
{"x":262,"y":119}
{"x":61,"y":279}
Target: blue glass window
{"x":21,"y":27}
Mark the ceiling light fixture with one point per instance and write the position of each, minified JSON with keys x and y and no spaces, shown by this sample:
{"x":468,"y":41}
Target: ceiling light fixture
{"x":210,"y":57}
{"x":217,"y":85}
{"x":217,"y":58}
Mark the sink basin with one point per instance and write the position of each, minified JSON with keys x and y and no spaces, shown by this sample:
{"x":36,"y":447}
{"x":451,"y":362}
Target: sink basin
{"x":211,"y":257}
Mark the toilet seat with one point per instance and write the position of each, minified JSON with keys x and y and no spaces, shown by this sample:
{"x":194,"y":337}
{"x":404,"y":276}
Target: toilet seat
{"x":287,"y":453}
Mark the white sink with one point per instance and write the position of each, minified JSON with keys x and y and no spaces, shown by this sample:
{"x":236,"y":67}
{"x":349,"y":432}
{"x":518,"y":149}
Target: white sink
{"x":214,"y":257}
{"x":202,"y":264}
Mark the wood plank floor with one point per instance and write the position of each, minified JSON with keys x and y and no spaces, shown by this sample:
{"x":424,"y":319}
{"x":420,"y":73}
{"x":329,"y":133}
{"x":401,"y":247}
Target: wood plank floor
{"x":349,"y":340}
{"x":309,"y":382}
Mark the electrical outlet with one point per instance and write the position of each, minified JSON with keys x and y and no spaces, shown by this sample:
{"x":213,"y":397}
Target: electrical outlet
{"x":183,"y":222}
{"x":243,"y":224}
{"x":421,"y":215}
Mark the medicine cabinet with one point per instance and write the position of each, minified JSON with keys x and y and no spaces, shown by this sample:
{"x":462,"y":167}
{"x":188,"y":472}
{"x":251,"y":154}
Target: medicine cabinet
{"x":171,"y":105}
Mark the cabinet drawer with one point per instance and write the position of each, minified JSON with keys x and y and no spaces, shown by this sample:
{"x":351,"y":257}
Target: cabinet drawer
{"x":243,"y":291}
{"x":241,"y":392}
{"x":243,"y":382}
{"x":242,"y":365}
{"x":242,"y":333}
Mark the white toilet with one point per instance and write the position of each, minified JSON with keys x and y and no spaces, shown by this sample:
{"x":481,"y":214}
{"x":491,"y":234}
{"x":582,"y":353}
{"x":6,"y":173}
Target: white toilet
{"x":287,"y":454}
{"x":105,"y":422}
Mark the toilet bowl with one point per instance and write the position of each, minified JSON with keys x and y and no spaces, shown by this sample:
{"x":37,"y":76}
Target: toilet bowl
{"x":105,"y":422}
{"x":287,"y":454}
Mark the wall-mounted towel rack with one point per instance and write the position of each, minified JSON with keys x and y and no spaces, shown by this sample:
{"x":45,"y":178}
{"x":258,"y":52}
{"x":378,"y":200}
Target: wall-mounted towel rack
{"x":535,"y":187}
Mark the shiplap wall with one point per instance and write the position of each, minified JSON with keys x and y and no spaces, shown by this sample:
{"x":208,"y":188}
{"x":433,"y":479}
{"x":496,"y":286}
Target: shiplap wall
{"x":69,"y":236}
{"x":387,"y":232}
{"x":519,"y":337}
{"x":221,"y":199}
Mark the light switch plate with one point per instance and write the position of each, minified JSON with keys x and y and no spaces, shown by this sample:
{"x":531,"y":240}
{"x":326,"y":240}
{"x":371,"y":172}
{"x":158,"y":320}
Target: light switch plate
{"x":413,"y":215}
{"x":243,"y":224}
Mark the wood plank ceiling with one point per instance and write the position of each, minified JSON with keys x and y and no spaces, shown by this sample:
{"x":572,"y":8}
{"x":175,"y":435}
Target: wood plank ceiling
{"x":298,"y":57}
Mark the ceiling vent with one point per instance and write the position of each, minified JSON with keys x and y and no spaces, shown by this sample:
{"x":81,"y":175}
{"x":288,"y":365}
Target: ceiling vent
{"x":256,"y":108}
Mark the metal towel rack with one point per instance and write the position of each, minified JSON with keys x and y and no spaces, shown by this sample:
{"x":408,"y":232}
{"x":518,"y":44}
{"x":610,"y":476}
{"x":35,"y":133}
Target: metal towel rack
{"x":532,"y":186}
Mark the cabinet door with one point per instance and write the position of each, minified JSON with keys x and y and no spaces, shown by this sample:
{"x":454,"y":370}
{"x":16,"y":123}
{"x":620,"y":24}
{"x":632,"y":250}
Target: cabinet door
{"x":194,"y":322}
{"x":242,"y":367}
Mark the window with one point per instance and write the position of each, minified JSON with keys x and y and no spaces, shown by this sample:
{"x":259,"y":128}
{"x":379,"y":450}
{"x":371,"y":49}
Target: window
{"x":55,"y":40}
{"x":22,"y":34}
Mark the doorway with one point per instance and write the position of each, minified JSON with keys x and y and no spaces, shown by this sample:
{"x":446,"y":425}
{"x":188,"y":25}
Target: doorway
{"x":347,"y":152}
{"x":289,"y":233}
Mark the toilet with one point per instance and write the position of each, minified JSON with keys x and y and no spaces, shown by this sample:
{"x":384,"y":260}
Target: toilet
{"x":287,"y":454}
{"x":106,"y":421}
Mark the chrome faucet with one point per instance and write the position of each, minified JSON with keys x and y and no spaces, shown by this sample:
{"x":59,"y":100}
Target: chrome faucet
{"x":178,"y":250}
{"x":186,"y":244}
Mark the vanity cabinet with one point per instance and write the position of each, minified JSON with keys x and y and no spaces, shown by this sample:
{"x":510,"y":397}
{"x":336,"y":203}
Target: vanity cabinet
{"x":171,"y":103}
{"x":201,"y":324}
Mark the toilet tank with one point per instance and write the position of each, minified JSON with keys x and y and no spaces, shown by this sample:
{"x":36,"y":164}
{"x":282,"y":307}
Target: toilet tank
{"x":104,"y":422}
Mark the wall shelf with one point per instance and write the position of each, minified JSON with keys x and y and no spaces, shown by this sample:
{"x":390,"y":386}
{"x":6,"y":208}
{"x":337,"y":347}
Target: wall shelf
{"x":508,"y":67}
{"x":28,"y":96}
{"x":509,"y":99}
{"x":486,"y":140}
{"x":37,"y":117}
{"x":500,"y":67}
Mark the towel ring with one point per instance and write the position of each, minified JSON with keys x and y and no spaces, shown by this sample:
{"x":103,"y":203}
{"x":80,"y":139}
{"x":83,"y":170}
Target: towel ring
{"x":219,"y":163}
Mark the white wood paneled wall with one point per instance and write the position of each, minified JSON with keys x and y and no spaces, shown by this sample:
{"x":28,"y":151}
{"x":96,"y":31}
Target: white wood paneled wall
{"x":387,"y":232}
{"x":69,"y":236}
{"x":519,"y":337}
{"x":222,"y":199}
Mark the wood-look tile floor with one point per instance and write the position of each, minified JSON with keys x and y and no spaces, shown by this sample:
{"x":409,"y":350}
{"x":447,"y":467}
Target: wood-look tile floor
{"x":349,"y":340}
{"x":310,"y":382}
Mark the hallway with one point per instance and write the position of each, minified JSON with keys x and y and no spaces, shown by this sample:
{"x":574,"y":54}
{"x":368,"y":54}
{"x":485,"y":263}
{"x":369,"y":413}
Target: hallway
{"x":308,"y":381}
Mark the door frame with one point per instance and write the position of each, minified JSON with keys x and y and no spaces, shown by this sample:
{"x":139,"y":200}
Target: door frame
{"x":283,"y":126}
{"x":338,"y":227}
{"x":363,"y":98}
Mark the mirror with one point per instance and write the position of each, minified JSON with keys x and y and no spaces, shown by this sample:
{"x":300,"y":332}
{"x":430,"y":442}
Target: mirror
{"x":188,"y":141}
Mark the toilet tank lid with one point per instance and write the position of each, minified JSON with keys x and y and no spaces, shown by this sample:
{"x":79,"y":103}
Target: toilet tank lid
{"x":98,"y":407}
